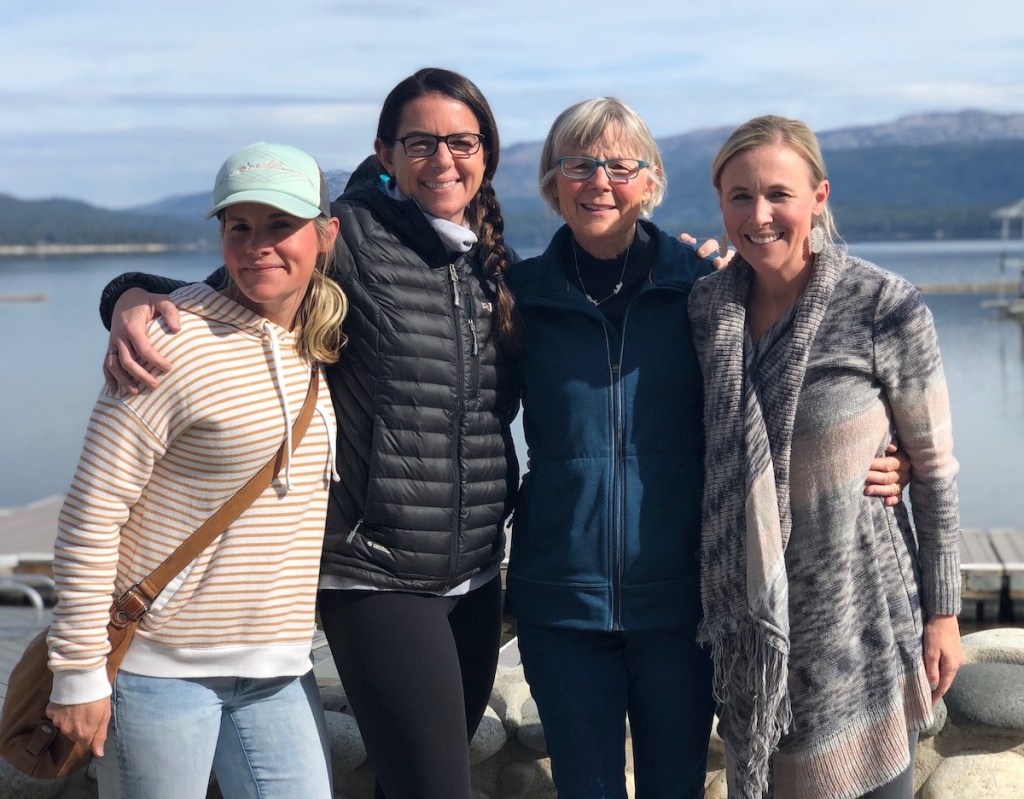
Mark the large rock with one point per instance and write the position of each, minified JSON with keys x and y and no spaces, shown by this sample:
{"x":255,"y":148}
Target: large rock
{"x":334,"y":698}
{"x":982,"y":775}
{"x":489,"y":738}
{"x":347,"y":750}
{"x":508,"y":695}
{"x":716,"y":786}
{"x":530,"y":733}
{"x":988,"y":695}
{"x":926,"y":760}
{"x":939,"y":715}
{"x":1004,"y":645}
{"x":526,"y":780}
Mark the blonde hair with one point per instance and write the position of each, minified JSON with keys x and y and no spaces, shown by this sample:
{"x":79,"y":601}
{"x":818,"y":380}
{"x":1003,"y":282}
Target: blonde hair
{"x":791,"y":133}
{"x":584,"y":124}
{"x":324,"y":305}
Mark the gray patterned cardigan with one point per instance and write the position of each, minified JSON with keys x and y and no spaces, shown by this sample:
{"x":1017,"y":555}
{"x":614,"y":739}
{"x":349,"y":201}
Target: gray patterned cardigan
{"x":814,"y":595}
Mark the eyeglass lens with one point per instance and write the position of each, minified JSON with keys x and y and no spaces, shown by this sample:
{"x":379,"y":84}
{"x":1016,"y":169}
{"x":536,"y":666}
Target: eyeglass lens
{"x":581,"y":167}
{"x":420,"y":145}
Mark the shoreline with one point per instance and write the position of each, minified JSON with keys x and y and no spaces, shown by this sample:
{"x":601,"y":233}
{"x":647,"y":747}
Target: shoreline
{"x":44,"y":249}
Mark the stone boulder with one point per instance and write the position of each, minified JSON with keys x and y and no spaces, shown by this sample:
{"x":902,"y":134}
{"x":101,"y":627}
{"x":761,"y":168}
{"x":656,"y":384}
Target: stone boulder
{"x":489,"y":739}
{"x":1005,"y":645}
{"x":988,"y":695}
{"x":995,"y":775}
{"x":347,"y":750}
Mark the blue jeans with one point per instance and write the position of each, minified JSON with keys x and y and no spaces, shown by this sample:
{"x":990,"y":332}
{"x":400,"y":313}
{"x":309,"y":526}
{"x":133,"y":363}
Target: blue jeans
{"x":586,"y":683}
{"x":263,"y":738}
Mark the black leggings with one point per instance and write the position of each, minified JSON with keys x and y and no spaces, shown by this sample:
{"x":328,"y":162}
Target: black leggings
{"x":902,"y":786}
{"x":418,"y":671}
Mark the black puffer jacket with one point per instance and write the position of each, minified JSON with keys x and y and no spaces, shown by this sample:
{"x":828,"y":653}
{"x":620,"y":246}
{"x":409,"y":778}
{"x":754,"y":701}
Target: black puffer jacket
{"x":423,"y":400}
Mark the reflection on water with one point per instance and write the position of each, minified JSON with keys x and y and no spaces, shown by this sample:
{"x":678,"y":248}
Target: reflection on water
{"x":50,"y":357}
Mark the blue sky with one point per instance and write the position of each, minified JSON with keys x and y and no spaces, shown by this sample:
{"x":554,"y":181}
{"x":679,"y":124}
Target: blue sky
{"x":122,"y":103}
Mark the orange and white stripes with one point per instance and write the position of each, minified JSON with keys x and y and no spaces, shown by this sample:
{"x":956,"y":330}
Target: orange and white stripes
{"x":154,"y":467}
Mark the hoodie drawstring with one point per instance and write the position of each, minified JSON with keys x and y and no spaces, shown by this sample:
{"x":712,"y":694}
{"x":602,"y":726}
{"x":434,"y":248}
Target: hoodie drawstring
{"x":275,"y":350}
{"x":332,"y":434}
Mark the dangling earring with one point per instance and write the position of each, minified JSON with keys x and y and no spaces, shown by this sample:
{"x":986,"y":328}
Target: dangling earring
{"x":723,"y":245}
{"x":817,"y":237}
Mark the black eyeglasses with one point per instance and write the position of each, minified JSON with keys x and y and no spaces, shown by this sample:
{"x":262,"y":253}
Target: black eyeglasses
{"x":422,"y":145}
{"x":618,"y":170}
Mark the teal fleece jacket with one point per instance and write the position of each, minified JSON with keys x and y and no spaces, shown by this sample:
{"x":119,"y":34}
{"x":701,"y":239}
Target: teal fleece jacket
{"x":606,"y":530}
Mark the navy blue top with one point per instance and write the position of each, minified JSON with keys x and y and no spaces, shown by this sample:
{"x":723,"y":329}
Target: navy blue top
{"x":606,"y":530}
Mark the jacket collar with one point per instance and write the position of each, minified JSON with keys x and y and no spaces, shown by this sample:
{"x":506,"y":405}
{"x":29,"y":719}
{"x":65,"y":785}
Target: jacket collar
{"x":544,"y":281}
{"x":405,"y":220}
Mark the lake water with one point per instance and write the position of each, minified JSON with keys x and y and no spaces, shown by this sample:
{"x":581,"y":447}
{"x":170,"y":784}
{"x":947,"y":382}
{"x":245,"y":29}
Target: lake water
{"x":50,"y":355}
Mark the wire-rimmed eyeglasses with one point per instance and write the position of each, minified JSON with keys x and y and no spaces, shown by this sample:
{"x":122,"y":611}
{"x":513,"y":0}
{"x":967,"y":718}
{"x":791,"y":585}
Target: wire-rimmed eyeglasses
{"x":618,"y":170}
{"x":422,"y":145}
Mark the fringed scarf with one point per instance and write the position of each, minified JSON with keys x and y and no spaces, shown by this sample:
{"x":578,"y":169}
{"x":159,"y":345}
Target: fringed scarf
{"x":746,"y":517}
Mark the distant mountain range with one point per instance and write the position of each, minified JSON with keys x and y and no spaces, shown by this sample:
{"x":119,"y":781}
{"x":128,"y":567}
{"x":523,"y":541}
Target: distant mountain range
{"x":921,"y":177}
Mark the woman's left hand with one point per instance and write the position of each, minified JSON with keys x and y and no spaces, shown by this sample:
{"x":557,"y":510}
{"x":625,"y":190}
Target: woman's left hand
{"x":85,"y":723}
{"x":708,"y":247}
{"x":943,"y":653}
{"x":889,"y":475}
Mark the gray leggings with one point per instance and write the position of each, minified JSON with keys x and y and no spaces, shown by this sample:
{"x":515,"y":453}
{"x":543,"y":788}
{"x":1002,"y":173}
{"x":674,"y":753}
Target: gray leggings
{"x":902,"y":787}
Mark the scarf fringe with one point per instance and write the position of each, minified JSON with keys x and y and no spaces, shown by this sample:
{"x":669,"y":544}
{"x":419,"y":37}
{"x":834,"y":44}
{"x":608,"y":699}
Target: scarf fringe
{"x":751,"y":669}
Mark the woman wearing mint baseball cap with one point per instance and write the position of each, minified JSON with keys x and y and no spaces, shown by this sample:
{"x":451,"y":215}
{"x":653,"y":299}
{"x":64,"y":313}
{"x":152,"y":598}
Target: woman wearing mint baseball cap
{"x":198,"y":690}
{"x":410,"y":596}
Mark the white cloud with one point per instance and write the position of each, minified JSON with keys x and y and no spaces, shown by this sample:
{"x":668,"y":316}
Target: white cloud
{"x":156,"y":93}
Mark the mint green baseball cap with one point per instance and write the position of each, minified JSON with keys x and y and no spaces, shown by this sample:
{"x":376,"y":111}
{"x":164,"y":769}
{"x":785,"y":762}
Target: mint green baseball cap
{"x":277,"y":175}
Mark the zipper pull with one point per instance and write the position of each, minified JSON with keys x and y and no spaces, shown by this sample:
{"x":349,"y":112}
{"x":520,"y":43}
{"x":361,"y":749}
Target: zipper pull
{"x":351,"y":535}
{"x":471,"y":318}
{"x":455,"y":285}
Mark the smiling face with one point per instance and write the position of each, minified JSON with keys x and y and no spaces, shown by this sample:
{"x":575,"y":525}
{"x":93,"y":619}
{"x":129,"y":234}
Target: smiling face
{"x":768,"y":200}
{"x":602,"y":214}
{"x":442,"y":184}
{"x":270,"y":256}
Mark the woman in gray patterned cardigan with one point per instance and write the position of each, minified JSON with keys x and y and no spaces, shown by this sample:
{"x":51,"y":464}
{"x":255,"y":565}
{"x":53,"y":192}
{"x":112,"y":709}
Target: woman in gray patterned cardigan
{"x":843,"y":635}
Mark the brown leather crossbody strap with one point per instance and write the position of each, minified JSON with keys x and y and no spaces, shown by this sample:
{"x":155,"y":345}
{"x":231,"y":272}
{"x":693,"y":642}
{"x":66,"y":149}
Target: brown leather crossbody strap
{"x":137,"y":599}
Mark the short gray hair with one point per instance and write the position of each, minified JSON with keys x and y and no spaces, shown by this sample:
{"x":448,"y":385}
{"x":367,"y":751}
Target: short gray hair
{"x":583,"y":124}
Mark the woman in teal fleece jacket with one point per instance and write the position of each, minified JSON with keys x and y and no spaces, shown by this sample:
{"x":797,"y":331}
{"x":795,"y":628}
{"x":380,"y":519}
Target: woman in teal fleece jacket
{"x":603,"y":577}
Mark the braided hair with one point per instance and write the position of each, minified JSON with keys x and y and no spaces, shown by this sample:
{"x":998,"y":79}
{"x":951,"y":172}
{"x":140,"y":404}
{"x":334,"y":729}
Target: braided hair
{"x":483,"y":211}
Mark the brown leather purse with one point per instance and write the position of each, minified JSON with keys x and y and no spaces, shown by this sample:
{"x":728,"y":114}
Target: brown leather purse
{"x":28,"y":739}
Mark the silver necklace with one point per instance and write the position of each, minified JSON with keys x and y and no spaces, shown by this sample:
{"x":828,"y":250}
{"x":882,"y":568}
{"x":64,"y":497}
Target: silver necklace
{"x":579,"y":277}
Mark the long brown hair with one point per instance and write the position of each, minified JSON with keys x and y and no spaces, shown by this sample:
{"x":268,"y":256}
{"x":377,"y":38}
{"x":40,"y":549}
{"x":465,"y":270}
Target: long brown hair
{"x":483,"y":211}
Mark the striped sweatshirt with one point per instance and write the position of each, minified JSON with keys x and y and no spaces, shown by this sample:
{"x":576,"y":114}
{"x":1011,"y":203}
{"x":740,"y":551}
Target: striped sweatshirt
{"x":154,"y":467}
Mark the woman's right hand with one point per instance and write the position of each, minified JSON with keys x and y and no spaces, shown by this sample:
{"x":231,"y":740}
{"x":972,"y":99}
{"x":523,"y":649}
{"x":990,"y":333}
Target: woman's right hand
{"x":129,"y":350}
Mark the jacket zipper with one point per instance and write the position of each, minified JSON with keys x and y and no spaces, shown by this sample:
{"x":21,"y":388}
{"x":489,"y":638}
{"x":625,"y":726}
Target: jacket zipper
{"x":618,"y":473}
{"x":453,"y":274}
{"x":474,"y":363}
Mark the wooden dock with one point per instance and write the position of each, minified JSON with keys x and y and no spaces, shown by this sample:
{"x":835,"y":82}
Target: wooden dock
{"x":992,"y":575}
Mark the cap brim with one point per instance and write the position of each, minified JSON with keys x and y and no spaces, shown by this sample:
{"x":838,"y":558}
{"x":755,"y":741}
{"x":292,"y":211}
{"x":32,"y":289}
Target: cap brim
{"x":282,"y":202}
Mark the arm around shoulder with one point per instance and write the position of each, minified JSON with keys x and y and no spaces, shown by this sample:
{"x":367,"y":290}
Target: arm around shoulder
{"x":154,"y":284}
